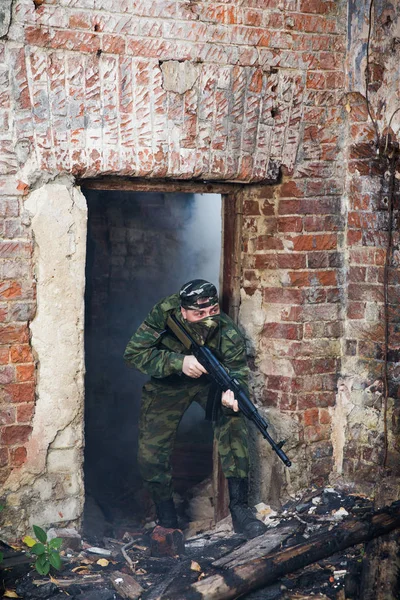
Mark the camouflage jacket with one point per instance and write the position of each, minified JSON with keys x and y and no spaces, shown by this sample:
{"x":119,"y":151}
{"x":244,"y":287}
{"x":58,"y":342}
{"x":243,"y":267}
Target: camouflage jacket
{"x":155,"y":351}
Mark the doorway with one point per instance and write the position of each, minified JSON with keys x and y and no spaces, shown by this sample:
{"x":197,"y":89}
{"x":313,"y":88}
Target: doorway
{"x":141,"y":246}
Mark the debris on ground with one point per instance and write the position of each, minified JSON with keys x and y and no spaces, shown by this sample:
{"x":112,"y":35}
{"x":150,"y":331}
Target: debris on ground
{"x":143,"y":563}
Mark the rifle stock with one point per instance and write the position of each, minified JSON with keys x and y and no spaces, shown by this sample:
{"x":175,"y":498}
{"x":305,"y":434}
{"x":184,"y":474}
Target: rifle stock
{"x":222,"y":378}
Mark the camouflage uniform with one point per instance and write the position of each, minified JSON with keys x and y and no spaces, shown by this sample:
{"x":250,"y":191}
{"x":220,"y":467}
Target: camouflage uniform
{"x":169,"y":393}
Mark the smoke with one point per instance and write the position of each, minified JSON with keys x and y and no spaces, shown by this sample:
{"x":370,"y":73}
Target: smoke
{"x":141,"y":247}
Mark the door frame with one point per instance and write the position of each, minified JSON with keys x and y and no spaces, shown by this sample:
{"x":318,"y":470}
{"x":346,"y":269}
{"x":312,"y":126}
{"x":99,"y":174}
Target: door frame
{"x":230,"y":269}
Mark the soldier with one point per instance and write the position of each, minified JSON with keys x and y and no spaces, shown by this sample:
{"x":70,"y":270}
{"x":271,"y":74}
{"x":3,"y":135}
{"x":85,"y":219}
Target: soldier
{"x":178,"y":379}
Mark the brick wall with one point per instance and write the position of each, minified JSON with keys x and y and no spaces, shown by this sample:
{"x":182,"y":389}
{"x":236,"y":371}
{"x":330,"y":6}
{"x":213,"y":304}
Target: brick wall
{"x":17,"y":308}
{"x":370,"y":345}
{"x":248,"y":92}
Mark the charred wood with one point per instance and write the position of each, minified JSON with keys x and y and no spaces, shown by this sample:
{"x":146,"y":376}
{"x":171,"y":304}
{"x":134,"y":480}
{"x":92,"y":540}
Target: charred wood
{"x":236,"y":581}
{"x":380,"y":577}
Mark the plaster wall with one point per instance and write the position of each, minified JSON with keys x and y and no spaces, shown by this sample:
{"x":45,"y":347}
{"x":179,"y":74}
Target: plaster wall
{"x":48,"y":486}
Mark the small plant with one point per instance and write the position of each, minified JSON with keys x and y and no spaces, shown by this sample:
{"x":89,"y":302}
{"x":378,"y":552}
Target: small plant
{"x":46,"y":551}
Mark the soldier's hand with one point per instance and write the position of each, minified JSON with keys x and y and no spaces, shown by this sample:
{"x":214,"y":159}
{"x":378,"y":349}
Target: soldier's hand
{"x":192,"y":368}
{"x":228,"y":400}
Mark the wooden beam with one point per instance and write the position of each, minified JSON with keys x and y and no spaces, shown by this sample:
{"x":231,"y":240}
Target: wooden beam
{"x":126,"y":184}
{"x":244,"y":578}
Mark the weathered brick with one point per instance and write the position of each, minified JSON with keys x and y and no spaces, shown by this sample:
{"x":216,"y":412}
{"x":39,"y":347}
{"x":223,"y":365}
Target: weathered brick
{"x":19,"y":392}
{"x":25,"y":412}
{"x":12,"y":435}
{"x":315,"y":242}
{"x":7,"y":416}
{"x":22,"y":311}
{"x":18,"y":456}
{"x":283,"y":331}
{"x":365,"y":292}
{"x":14,"y":334}
{"x":294,"y":224}
{"x":356,"y":310}
{"x":310,"y":417}
{"x":7,"y":374}
{"x":25,"y":372}
{"x":282,"y":295}
{"x":4,"y":355}
{"x":291,"y":261}
{"x":10,"y":289}
{"x":22,"y":353}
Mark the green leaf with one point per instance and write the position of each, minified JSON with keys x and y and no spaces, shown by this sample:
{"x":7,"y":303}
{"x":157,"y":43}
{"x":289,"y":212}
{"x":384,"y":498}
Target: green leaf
{"x":42,"y":566}
{"x":56,"y":543}
{"x":41,"y":560}
{"x":55,"y":559}
{"x":40,"y":534}
{"x":1,"y":556}
{"x":38,"y":549}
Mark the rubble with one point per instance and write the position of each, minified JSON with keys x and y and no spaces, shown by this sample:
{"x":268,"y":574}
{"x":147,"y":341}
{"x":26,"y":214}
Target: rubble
{"x":71,"y":538}
{"x":132,"y":572}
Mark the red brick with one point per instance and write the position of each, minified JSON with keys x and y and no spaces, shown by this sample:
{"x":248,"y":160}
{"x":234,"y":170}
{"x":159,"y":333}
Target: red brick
{"x":317,"y":433}
{"x":283,"y":331}
{"x":4,"y":355}
{"x":288,"y":402}
{"x":365,"y":292}
{"x":315,"y":80}
{"x":283,"y":296}
{"x":15,"y":249}
{"x":356,"y":310}
{"x":314,"y":242}
{"x":319,"y":7}
{"x":25,"y":373}
{"x":299,"y":278}
{"x":323,"y":223}
{"x":10,"y":289}
{"x":291,"y":261}
{"x":21,"y":353}
{"x":312,"y":400}
{"x":19,"y":392}
{"x":311,"y":366}
{"x":251,"y":207}
{"x":267,"y":208}
{"x":265,"y":261}
{"x":309,"y":207}
{"x":7,"y":374}
{"x":7,"y":415}
{"x":286,"y":224}
{"x":311,"y":417}
{"x":25,"y":412}
{"x":268,"y":242}
{"x":15,"y":434}
{"x":292,"y":189}
{"x":357,"y":274}
{"x":18,"y":456}
{"x":324,"y":417}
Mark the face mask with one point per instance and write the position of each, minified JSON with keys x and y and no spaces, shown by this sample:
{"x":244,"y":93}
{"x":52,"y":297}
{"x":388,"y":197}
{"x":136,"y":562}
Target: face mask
{"x":202,"y":330}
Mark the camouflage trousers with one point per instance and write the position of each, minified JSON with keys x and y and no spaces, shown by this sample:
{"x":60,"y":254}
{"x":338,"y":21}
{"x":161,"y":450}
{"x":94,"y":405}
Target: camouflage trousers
{"x":163,"y":406}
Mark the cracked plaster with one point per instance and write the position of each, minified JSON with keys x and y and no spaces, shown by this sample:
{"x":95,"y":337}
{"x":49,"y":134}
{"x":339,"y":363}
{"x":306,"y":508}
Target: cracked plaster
{"x":48,"y":488}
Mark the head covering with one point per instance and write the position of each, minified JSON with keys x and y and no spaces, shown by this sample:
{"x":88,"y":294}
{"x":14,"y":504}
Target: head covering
{"x":197,"y":294}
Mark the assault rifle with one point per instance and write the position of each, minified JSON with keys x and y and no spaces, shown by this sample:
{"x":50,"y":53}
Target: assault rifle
{"x":221,"y":377}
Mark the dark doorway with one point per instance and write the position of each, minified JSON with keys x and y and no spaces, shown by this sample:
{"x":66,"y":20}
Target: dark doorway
{"x":140,"y":248}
